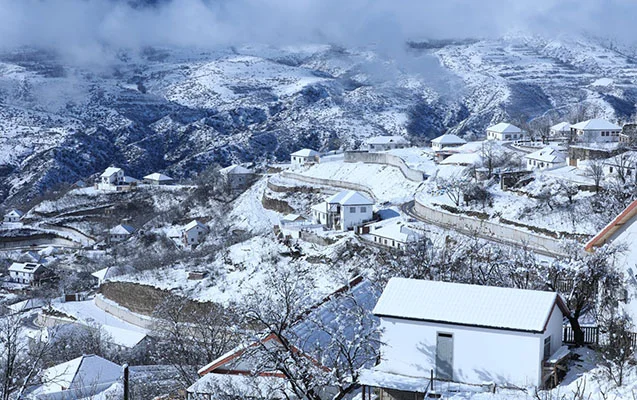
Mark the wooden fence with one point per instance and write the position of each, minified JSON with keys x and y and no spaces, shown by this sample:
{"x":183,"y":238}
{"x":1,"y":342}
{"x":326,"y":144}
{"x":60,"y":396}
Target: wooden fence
{"x":591,"y":336}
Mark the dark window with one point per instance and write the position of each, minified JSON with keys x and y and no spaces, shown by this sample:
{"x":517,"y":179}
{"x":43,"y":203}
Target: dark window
{"x":547,"y":347}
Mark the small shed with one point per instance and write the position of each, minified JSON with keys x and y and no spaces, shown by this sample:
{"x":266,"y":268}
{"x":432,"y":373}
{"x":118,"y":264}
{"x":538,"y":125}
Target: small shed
{"x":466,"y":333}
{"x":447,"y":141}
{"x":194,"y":233}
{"x":237,"y":177}
{"x":385,"y":143}
{"x":120,"y":233}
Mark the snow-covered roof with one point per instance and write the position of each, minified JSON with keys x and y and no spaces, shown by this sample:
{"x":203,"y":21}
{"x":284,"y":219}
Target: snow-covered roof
{"x":549,"y":154}
{"x":469,"y":305}
{"x":504,"y":127}
{"x":122,"y":230}
{"x":620,"y":223}
{"x":349,"y":198}
{"x":626,"y":159}
{"x":305,"y":153}
{"x":595,"y":124}
{"x":320,"y":207}
{"x":292,"y":217}
{"x":248,"y":386}
{"x":30,"y":268}
{"x":156,"y":176}
{"x":561,"y":127}
{"x":397,"y":231}
{"x":376,"y":377}
{"x":129,"y":179}
{"x":235,"y":170}
{"x":88,"y":372}
{"x":386,"y":140}
{"x":110,"y":171}
{"x":15,"y":213}
{"x":448,"y":139}
{"x":108,"y":272}
{"x":194,"y":223}
{"x":462,"y":159}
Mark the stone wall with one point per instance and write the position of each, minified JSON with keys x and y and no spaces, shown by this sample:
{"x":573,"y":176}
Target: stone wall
{"x":385,"y":159}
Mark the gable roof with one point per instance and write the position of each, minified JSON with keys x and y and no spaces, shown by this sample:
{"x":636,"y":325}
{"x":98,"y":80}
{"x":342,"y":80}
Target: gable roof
{"x":595,"y":124}
{"x":194,"y":223}
{"x":561,"y":127}
{"x":305,"y":153}
{"x":304,"y":331}
{"x":86,"y":371}
{"x":15,"y":213}
{"x":468,"y":305}
{"x":609,"y":230}
{"x":156,"y":176}
{"x":235,"y":170}
{"x":504,"y":127}
{"x":386,"y":140}
{"x":349,"y":198}
{"x":30,"y":268}
{"x":122,"y":229}
{"x":110,"y":171}
{"x":397,"y":231}
{"x":548,"y":154}
{"x":448,"y":139}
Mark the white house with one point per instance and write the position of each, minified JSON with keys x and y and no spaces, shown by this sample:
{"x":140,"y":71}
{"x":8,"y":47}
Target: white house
{"x":194,"y":232}
{"x":304,"y":156}
{"x":504,"y":131}
{"x":463,"y":333}
{"x":112,"y":176}
{"x":29,"y":273}
{"x":236,"y":176}
{"x":114,"y":179}
{"x":344,"y":210}
{"x":394,"y":234}
{"x":384,"y":143}
{"x":84,"y":377}
{"x":158,"y":179}
{"x":14,"y":215}
{"x":595,"y":130}
{"x":120,"y":233}
{"x":621,"y":166}
{"x":547,"y":157}
{"x":563,"y":129}
{"x":446,"y":141}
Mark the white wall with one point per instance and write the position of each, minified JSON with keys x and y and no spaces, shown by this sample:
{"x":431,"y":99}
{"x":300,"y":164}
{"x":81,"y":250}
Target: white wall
{"x":479,"y":355}
{"x":596,"y":136}
{"x":554,"y":329}
{"x":351,"y":219}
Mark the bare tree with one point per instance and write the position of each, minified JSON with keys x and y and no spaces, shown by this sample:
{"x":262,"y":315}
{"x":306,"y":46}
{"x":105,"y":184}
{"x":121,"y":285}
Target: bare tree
{"x":616,"y":348}
{"x":454,"y":187}
{"x":595,"y":171}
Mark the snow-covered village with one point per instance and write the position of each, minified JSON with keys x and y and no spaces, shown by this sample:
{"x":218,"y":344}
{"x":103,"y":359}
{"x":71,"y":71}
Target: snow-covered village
{"x":271,"y":201}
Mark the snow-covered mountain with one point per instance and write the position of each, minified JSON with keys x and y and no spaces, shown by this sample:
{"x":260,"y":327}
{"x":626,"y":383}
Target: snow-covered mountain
{"x":181,"y":110}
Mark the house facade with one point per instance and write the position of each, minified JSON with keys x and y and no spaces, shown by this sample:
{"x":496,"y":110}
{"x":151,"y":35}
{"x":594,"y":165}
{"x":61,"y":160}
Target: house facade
{"x":548,"y":157}
{"x":114,"y":179}
{"x":237,"y":177}
{"x":395,"y":235}
{"x":14,"y":215}
{"x":385,"y":143}
{"x":504,"y":131}
{"x":28,"y":273}
{"x":596,"y":131}
{"x":120,"y":233}
{"x":304,"y":156}
{"x":447,"y":141}
{"x":344,"y":210}
{"x":463,"y":333}
{"x":194,"y":233}
{"x":621,"y":166}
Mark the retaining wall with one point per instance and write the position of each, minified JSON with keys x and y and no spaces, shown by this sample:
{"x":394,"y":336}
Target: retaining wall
{"x":329,"y":182}
{"x":489,"y":230}
{"x":123,"y":313}
{"x":386,"y":159}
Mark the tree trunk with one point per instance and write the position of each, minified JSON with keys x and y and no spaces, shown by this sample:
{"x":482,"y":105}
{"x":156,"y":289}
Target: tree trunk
{"x":578,"y":333}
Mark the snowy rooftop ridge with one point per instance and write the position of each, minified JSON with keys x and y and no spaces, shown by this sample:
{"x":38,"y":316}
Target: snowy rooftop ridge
{"x":305,"y":153}
{"x":349,"y":197}
{"x":386,"y":140}
{"x":110,"y":171}
{"x":235,"y":169}
{"x":468,"y":305}
{"x":595,"y":124}
{"x":561,"y":127}
{"x":122,"y":229}
{"x":449,"y":139}
{"x":193,"y":224}
{"x":25,"y":267}
{"x":549,"y":154}
{"x":156,"y":176}
{"x":504,"y":127}
{"x":89,"y":371}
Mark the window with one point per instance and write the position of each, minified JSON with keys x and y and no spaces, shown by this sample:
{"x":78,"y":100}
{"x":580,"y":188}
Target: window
{"x":363,"y":209}
{"x":352,"y":210}
{"x":610,"y":169}
{"x":547,"y":347}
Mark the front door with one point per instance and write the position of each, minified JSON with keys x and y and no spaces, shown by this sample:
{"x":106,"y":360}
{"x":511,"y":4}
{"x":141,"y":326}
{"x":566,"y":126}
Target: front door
{"x":444,"y":356}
